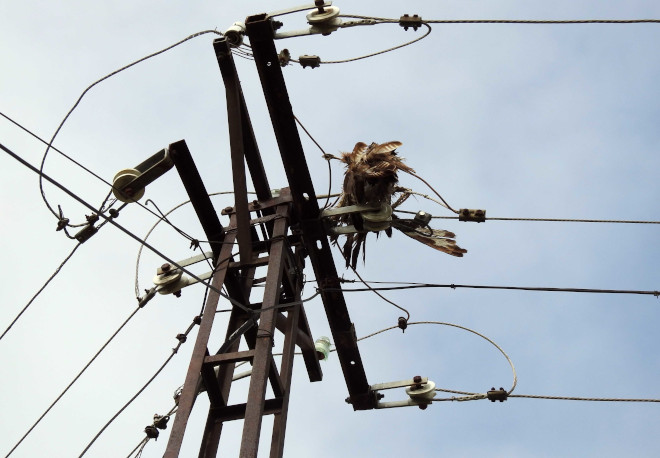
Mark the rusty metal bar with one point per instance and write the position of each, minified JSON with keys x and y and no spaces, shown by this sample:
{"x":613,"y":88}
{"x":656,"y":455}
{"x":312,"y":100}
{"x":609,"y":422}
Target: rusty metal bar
{"x":200,"y":350}
{"x":260,"y":31}
{"x":238,"y":171}
{"x":199,"y":197}
{"x":290,"y":336}
{"x":252,"y":156}
{"x":230,"y":357}
{"x":261,"y":366}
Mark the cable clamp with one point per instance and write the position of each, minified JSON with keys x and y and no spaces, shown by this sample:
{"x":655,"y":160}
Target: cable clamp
{"x":309,"y":61}
{"x":477,"y":216}
{"x":413,"y":21}
{"x":497,"y":395}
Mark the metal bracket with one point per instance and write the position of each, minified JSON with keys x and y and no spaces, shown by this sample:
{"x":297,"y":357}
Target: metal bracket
{"x":375,"y":218}
{"x":420,"y":391}
{"x":169,"y":279}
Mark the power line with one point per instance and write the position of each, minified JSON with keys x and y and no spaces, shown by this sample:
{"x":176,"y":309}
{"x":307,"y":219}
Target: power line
{"x":41,"y":289}
{"x":353,"y":59}
{"x":572,"y":398}
{"x":97,"y":177}
{"x":512,"y":21}
{"x":122,"y":228}
{"x":74,"y":380}
{"x":553,"y":220}
{"x":441,"y":323}
{"x":518,"y":288}
{"x":53,"y":148}
{"x":43,"y":160}
{"x":182,"y":339}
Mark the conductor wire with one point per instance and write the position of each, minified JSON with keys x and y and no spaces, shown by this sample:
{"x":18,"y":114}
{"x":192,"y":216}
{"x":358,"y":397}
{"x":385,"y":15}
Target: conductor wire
{"x":50,"y":143}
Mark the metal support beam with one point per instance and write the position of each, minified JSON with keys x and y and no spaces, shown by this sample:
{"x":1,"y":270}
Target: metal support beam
{"x":190,"y":386}
{"x":260,"y":31}
{"x":199,"y":197}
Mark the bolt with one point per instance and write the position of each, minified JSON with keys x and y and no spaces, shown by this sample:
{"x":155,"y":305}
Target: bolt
{"x":165,"y":267}
{"x":256,"y":204}
{"x":422,"y":406}
{"x":319,"y":4}
{"x":177,"y":293}
{"x":417,"y":379}
{"x":227,"y":210}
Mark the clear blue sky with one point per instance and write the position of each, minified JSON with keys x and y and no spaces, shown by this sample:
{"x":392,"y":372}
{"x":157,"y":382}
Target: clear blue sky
{"x":545,"y":121}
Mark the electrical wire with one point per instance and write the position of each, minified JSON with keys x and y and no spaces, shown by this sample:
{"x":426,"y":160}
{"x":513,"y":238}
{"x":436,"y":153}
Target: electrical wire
{"x":369,"y":288}
{"x":54,"y":148}
{"x":441,"y":323}
{"x":326,"y":156}
{"x":164,"y":218}
{"x":516,"y":288}
{"x":144,"y":387}
{"x":571,"y":398}
{"x":511,"y":21}
{"x":140,"y":446}
{"x":75,"y":379}
{"x":144,"y":441}
{"x":122,"y":228}
{"x":109,"y":75}
{"x":552,"y":220}
{"x":353,"y":59}
{"x":41,"y":289}
{"x":102,"y":209}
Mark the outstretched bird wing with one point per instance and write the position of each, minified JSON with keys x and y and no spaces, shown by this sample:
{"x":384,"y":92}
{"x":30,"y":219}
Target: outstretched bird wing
{"x":439,"y":239}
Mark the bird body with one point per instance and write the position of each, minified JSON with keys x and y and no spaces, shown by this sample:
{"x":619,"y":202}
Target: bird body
{"x":371,"y":178}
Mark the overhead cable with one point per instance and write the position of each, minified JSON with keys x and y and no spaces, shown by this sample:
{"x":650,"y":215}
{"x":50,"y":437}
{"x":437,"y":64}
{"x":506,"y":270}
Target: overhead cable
{"x":511,"y":21}
{"x":553,"y":220}
{"x":41,"y":289}
{"x":441,"y":323}
{"x":43,"y":160}
{"x":182,"y":339}
{"x":519,"y":288}
{"x":82,"y":371}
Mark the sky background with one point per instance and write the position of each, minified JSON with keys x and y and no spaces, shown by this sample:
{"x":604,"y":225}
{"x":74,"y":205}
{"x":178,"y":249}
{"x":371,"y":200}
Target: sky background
{"x":545,"y":121}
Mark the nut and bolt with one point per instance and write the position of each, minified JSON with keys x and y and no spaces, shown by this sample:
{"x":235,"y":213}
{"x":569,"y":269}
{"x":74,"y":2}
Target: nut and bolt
{"x":165,"y":267}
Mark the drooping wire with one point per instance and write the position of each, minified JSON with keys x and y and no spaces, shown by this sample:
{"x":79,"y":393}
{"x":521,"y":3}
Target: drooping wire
{"x":353,"y":59}
{"x":122,"y":228}
{"x":369,"y":288}
{"x":54,"y":274}
{"x":163,"y":217}
{"x":326,"y":156}
{"x":175,"y":350}
{"x":43,"y":160}
{"x":441,"y":323}
{"x":75,"y":379}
